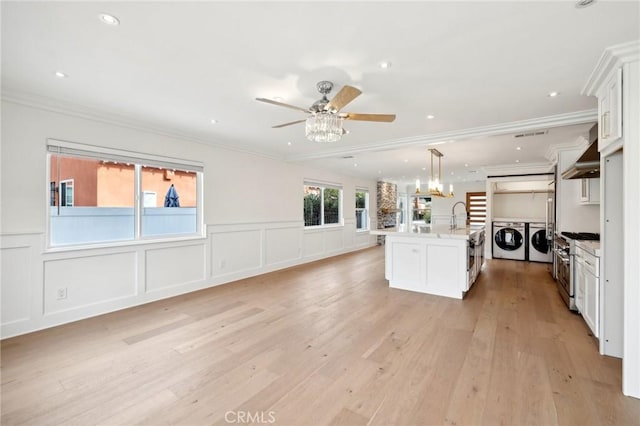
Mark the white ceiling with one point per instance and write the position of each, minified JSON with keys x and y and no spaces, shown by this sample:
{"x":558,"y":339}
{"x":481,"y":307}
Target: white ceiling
{"x":481,"y":68}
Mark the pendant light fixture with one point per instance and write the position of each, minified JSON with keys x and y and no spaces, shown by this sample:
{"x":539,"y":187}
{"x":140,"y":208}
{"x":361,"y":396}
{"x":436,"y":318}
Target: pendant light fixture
{"x":435,"y":185}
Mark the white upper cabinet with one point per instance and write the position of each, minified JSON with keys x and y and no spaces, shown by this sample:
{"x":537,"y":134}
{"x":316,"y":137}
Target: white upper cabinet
{"x":589,"y":191}
{"x":610,"y":110}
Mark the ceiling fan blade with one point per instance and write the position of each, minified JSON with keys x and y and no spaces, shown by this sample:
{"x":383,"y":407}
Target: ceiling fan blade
{"x":269,"y":101}
{"x":289,"y":124}
{"x":342,"y":98}
{"x":387,"y":118}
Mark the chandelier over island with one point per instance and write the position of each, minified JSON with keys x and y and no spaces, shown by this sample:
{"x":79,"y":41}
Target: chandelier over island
{"x":435,"y":184}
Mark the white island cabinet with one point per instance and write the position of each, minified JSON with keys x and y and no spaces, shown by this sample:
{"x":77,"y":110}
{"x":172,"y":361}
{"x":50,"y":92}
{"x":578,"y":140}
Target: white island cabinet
{"x":434,"y":260}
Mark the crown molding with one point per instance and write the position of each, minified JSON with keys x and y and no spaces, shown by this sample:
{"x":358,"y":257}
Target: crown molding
{"x":518,"y":169}
{"x":579,"y":117}
{"x":612,"y":57}
{"x":552,"y":152}
{"x":80,"y":111}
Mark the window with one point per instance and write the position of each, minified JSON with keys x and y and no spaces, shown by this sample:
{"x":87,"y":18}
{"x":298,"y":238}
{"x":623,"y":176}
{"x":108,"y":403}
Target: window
{"x":104,"y":196}
{"x":66,"y":193}
{"x":362,"y":210}
{"x":476,"y":208}
{"x":322,"y":205}
{"x":420,"y":209}
{"x":401,"y":209}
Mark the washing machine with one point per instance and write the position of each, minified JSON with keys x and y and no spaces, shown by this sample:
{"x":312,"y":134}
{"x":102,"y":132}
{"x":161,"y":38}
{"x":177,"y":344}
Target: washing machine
{"x":509,"y":240}
{"x":539,"y":248}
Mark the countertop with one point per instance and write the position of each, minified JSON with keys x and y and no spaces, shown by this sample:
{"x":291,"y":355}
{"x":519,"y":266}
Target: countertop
{"x":426,"y":231}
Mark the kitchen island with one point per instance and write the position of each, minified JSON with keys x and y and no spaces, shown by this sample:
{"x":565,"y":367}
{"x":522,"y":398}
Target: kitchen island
{"x":435,"y":260}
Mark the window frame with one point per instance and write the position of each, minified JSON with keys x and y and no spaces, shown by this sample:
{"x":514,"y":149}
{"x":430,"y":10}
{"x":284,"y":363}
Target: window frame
{"x":78,"y":150}
{"x":63,"y":194}
{"x":322,"y":187}
{"x":365,"y":209}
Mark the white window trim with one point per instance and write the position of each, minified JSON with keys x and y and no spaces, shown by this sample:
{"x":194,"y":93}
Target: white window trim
{"x":366,"y":209}
{"x":61,"y":195}
{"x":323,"y":186}
{"x":74,"y":149}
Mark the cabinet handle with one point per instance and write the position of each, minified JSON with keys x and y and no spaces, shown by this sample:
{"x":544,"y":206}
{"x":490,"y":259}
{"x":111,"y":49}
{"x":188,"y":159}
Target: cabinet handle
{"x":587,"y":262}
{"x":605,"y":125}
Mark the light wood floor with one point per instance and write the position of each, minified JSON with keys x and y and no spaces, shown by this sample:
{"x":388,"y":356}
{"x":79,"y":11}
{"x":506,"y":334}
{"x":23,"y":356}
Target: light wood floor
{"x":324,"y":343}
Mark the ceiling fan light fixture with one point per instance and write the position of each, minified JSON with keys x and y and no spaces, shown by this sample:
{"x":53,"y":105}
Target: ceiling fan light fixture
{"x":323,"y":127}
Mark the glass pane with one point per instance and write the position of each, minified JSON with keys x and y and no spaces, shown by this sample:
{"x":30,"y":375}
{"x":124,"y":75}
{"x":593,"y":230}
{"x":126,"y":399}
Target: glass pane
{"x":312,"y":205}
{"x":361,"y":201}
{"x":331,"y":206}
{"x":361,"y":219}
{"x":91,"y":201}
{"x":169,"y":199}
{"x":421,"y":209}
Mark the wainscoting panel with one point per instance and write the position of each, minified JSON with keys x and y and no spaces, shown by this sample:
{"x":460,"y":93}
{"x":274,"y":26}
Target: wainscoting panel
{"x":235,"y":251}
{"x":172,"y":266}
{"x":42,"y":289}
{"x":282,"y":245}
{"x":349,"y":234}
{"x":334,"y":240}
{"x":16,"y":283}
{"x":80,"y":281}
{"x":313,"y":243}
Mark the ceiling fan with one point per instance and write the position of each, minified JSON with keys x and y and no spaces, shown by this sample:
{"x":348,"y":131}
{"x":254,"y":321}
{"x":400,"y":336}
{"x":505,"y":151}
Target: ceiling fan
{"x":324,"y":124}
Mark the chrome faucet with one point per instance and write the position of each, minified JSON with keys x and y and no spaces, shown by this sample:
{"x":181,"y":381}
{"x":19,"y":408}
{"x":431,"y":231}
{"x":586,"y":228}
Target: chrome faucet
{"x":454,"y":225}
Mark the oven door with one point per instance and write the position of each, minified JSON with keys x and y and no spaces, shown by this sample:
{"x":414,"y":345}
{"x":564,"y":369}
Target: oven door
{"x":563,"y":275}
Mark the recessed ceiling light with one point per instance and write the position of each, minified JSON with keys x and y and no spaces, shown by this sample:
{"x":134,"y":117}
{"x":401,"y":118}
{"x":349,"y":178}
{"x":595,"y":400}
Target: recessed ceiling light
{"x":424,"y":168}
{"x":214,"y":121}
{"x":518,"y":148}
{"x":430,"y":117}
{"x":289,"y":143}
{"x":60,"y":74}
{"x":584,"y":3}
{"x":355,"y":164}
{"x":466,"y":164}
{"x":109,"y":19}
{"x":385,"y":65}
{"x":553,"y":94}
{"x":517,"y":161}
{"x":452,"y":173}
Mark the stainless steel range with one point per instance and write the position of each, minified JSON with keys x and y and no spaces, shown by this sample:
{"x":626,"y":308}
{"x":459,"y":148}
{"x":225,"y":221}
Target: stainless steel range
{"x":564,"y":249}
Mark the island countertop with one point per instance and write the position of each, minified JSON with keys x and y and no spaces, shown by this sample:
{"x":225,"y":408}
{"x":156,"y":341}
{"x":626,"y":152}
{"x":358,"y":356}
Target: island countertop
{"x":427,"y":231}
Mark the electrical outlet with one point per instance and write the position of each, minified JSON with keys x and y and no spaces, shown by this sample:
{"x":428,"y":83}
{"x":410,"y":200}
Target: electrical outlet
{"x":61,"y":293}
{"x":223,"y":263}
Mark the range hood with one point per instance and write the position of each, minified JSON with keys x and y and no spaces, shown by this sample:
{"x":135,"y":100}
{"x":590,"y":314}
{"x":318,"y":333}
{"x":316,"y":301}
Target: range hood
{"x":588,"y":165}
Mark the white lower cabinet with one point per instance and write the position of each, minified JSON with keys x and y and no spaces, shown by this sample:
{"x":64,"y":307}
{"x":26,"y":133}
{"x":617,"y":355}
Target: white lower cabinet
{"x":590,"y":313}
{"x":579,"y":283}
{"x":586,"y":284}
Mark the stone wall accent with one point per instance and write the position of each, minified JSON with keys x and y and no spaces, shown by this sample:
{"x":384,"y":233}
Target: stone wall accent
{"x":387,"y":199}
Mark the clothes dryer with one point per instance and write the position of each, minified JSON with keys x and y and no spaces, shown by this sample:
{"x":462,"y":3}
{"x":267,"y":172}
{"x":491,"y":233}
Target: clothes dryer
{"x":509,"y":240}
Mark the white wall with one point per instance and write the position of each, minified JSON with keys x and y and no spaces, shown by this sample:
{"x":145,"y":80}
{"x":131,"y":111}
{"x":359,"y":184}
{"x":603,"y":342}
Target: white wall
{"x":252,"y":213}
{"x":530,"y":205}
